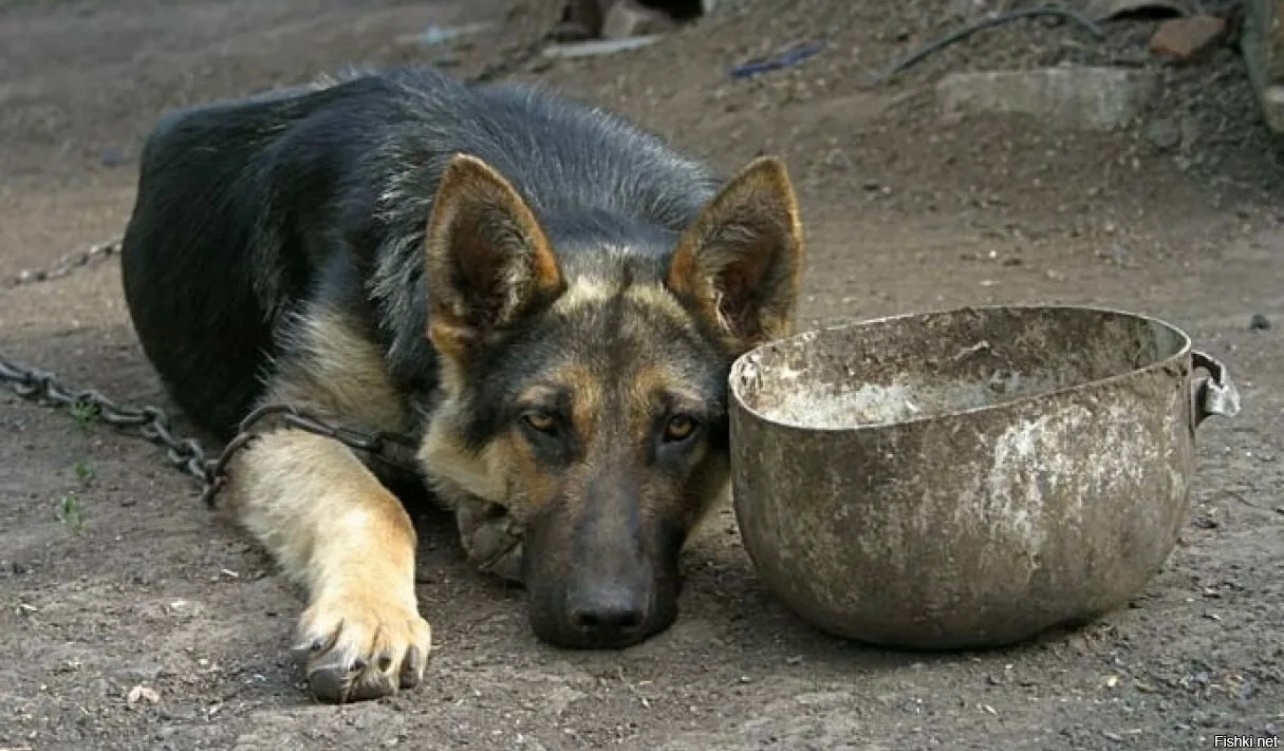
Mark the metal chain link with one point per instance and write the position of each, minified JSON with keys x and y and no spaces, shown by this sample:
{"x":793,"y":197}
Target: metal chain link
{"x":68,"y":263}
{"x":185,"y":453}
{"x":501,"y":68}
{"x":154,"y":424}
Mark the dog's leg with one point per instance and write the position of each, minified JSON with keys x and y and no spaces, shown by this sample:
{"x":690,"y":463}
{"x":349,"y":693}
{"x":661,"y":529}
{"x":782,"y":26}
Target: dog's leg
{"x":328,"y":521}
{"x":337,"y":531}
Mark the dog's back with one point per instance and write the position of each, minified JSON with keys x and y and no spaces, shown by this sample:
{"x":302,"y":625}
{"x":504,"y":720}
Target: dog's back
{"x":245,"y":209}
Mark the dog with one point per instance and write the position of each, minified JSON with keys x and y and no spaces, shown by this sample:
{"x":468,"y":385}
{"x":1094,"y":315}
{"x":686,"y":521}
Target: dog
{"x":546,"y":297}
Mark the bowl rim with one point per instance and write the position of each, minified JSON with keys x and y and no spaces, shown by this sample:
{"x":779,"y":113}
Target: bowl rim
{"x":735,"y":376}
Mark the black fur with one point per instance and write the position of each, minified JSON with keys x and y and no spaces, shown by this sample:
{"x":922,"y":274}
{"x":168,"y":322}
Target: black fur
{"x":256,"y":217}
{"x":247,"y":209}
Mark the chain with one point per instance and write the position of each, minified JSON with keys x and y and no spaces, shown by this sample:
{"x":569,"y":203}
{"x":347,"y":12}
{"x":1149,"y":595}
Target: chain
{"x":94,"y":254}
{"x":68,"y":263}
{"x":153,"y":424}
{"x":185,"y":453}
{"x":393,"y":450}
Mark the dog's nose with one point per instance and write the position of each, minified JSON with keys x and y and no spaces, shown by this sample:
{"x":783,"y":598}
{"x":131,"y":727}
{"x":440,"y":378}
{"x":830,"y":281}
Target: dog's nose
{"x":608,"y":616}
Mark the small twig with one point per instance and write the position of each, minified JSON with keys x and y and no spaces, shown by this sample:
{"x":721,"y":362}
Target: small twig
{"x":1237,"y":495}
{"x":985,"y":23}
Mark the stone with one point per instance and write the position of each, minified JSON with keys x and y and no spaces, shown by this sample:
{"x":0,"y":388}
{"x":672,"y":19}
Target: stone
{"x":626,"y":19}
{"x":1097,"y":99}
{"x":1164,"y":134}
{"x":1185,"y":38}
{"x":1262,"y":43}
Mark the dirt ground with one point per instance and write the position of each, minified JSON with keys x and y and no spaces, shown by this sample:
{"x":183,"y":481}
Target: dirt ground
{"x":904,"y":214}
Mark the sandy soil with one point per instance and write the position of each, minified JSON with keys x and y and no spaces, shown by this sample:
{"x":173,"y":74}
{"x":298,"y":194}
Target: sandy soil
{"x":904,"y":214}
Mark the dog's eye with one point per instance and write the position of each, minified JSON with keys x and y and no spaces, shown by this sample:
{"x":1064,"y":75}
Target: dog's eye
{"x":679,"y":428}
{"x":541,"y":421}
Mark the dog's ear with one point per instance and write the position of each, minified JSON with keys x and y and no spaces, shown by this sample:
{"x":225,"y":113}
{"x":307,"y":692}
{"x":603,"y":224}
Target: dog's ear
{"x":489,"y":261}
{"x":741,"y":261}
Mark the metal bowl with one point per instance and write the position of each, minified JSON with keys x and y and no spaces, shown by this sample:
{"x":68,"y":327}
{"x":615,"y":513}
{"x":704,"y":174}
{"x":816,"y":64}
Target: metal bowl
{"x":967,"y":478}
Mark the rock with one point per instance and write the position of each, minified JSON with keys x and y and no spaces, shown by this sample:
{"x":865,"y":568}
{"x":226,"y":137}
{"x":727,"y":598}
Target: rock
{"x":1076,"y":98}
{"x":1262,"y":43}
{"x":1259,"y":322}
{"x":628,"y":18}
{"x":1164,"y":134}
{"x":141,"y":693}
{"x":1184,"y":38}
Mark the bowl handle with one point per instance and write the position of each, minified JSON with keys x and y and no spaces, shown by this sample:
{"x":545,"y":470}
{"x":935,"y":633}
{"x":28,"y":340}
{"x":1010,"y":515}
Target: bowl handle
{"x":1213,"y":394}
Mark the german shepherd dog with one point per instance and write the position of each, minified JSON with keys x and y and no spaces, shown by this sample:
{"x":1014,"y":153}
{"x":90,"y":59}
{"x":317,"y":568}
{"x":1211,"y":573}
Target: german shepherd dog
{"x":548,"y":298}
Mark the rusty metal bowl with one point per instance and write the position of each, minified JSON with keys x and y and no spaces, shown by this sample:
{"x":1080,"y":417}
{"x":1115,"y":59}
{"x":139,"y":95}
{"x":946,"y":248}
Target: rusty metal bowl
{"x":967,"y":478}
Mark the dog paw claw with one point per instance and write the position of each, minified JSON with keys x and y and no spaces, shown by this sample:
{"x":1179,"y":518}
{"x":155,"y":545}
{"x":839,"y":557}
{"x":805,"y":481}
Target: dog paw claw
{"x":412,"y":668}
{"x":361,"y":649}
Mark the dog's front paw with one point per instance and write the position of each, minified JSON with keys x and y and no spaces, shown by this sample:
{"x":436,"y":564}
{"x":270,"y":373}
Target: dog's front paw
{"x":492,"y":539}
{"x":363,"y":645}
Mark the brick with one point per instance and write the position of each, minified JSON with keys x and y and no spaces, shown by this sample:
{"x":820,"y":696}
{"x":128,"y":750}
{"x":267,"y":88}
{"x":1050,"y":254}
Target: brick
{"x":1184,"y":38}
{"x":1073,"y":98}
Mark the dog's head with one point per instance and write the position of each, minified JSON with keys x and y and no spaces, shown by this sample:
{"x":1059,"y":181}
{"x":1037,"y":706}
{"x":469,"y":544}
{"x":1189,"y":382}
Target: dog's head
{"x":584,"y":388}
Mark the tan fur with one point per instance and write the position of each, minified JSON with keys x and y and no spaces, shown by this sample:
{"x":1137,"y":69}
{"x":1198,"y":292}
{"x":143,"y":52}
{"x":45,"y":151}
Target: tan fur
{"x":651,"y":380}
{"x":473,"y":486}
{"x":339,"y":373}
{"x":456,"y":474}
{"x":450,"y":374}
{"x":479,"y":221}
{"x":587,"y":291}
{"x":710,"y":481}
{"x":581,"y":293}
{"x":740,"y":233}
{"x":503,"y":473}
{"x":525,"y":472}
{"x":751,"y":229}
{"x":471,"y":190}
{"x":339,"y":533}
{"x":589,"y":398}
{"x":346,"y":539}
{"x":329,"y":522}
{"x":658,"y":299}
